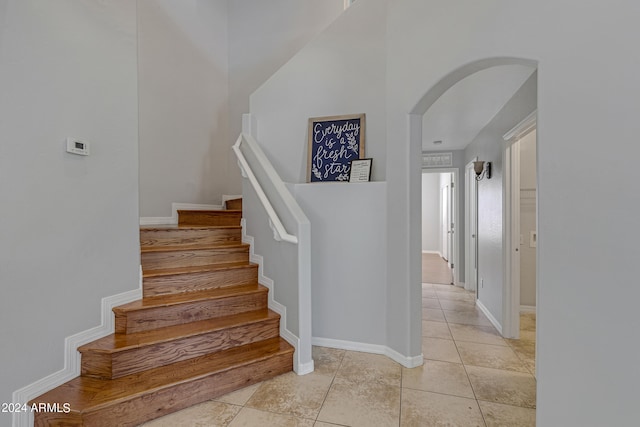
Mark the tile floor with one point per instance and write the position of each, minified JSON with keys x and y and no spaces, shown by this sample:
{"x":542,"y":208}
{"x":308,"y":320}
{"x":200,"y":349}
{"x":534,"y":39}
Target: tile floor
{"x":470,"y":377}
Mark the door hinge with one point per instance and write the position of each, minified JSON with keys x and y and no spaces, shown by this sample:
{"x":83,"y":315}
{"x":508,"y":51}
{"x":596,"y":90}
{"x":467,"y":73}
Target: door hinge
{"x":453,"y":184}
{"x":451,"y":265}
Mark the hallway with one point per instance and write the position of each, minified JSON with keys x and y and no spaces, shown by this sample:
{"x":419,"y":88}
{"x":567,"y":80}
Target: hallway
{"x":470,"y":377}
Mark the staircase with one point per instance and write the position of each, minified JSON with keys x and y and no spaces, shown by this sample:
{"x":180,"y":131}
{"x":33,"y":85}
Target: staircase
{"x":201,"y":330}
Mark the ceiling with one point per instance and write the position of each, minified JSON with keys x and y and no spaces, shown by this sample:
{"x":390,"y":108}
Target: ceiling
{"x":466,"y":108}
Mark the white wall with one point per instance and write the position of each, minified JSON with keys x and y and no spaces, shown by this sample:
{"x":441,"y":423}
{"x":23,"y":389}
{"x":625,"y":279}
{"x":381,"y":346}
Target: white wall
{"x":184,"y":101}
{"x":263,"y":36}
{"x":587,"y":93}
{"x":68,"y":224}
{"x":345,"y":272}
{"x":527,"y":219}
{"x":431,"y":212}
{"x":489,"y":146}
{"x":350,"y":57}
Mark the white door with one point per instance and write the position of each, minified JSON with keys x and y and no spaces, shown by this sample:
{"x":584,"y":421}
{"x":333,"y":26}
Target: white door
{"x":471,"y":240}
{"x":444,"y":221}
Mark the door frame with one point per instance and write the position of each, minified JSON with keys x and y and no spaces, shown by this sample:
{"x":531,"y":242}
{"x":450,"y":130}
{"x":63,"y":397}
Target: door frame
{"x":454,"y":257}
{"x":511,"y":229}
{"x":470,"y":216}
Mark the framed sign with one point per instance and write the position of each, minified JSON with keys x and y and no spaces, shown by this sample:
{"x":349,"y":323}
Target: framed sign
{"x":333,"y":143}
{"x":360,"y":170}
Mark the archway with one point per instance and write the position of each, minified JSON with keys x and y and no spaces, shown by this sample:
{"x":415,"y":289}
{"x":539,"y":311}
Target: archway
{"x":505,"y":312}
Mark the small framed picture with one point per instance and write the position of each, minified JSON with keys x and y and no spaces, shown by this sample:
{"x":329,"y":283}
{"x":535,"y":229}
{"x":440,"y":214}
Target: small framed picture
{"x":360,"y":170}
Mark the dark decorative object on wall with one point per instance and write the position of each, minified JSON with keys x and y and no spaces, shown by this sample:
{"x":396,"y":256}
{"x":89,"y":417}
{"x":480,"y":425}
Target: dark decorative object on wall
{"x":333,"y":143}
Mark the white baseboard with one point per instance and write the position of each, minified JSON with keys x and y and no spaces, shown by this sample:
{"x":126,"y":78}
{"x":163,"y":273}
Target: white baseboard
{"x":71,"y":368}
{"x":301,"y":368}
{"x":407,"y":362}
{"x":460,"y":284}
{"x":175,"y":207}
{"x":487,"y":313}
{"x":527,"y":309}
{"x":433,"y":252}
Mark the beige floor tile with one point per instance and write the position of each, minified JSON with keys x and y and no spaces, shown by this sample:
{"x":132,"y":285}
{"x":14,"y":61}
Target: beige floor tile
{"x":466,"y":318}
{"x":429,"y":293}
{"x":440,"y":349}
{"x":433,"y":329}
{"x":474,"y":333}
{"x":531,"y":365}
{"x":528,"y":335}
{"x":455,"y":305}
{"x":327,"y":360}
{"x":524,"y":349}
{"x":438,"y":377}
{"x":249,"y":417}
{"x":239,"y":397}
{"x":292,"y":394}
{"x":498,"y":415}
{"x":448,"y":288}
{"x":528,"y":322}
{"x":425,"y":409}
{"x":364,"y":403}
{"x":490,"y":356}
{"x":433,"y":314}
{"x":430,"y":303}
{"x":500,"y":386}
{"x":209,"y":414}
{"x":455,"y":296}
{"x":366,"y":367}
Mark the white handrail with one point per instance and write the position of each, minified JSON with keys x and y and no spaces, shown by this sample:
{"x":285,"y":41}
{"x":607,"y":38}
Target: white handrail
{"x":279,"y":232}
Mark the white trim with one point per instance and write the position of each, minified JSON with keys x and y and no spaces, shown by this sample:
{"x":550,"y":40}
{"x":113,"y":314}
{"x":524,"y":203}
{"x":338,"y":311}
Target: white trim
{"x":433,"y":253}
{"x":487,"y":313}
{"x":175,"y":207}
{"x":511,"y":221}
{"x":524,"y":127}
{"x":460,"y":285}
{"x":469,"y":268}
{"x":157,"y":220}
{"x":226,"y":197}
{"x":407,"y":362}
{"x":71,"y":368}
{"x":527,"y":309}
{"x":298,"y":366}
{"x":279,"y":232}
{"x":511,"y":241}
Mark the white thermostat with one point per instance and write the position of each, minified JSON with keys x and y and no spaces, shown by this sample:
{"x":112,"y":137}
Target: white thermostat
{"x":76,"y":146}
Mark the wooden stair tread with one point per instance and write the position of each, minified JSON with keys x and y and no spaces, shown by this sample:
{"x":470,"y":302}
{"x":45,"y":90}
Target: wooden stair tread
{"x":89,"y":394}
{"x":212,"y":211}
{"x":196,"y":269}
{"x":187,"y":227}
{"x":187,"y":247}
{"x":179,"y":298}
{"x":118,"y":342}
{"x":122,"y":342}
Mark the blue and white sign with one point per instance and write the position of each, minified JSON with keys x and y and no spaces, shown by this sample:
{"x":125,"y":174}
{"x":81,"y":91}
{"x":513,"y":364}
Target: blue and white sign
{"x":333,"y":143}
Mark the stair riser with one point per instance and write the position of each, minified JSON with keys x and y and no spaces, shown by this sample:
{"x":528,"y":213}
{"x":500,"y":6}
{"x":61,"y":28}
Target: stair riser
{"x":157,"y":403}
{"x":235,"y":204}
{"x":211,"y":218}
{"x":176,"y":283}
{"x":137,"y":360}
{"x":174,"y":259}
{"x":190,"y":237}
{"x":160,"y":317}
